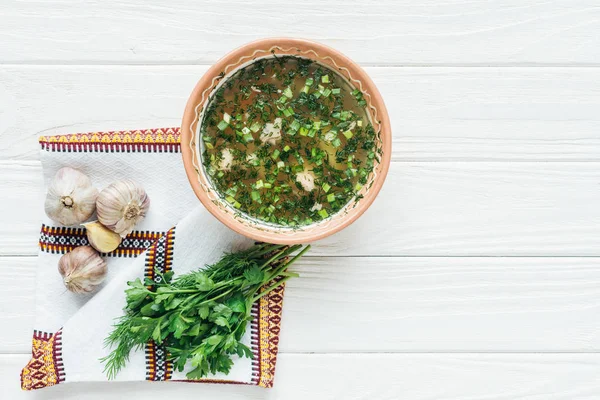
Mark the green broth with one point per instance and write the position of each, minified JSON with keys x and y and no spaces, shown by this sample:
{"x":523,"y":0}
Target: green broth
{"x":287,"y":141}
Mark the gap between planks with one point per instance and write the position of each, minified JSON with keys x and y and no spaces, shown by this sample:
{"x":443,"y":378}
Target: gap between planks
{"x":80,"y":63}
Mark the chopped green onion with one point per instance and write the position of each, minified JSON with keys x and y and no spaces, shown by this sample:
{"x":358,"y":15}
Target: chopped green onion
{"x":288,"y":112}
{"x":237,"y":204}
{"x":267,"y":185}
{"x":326,"y":92}
{"x":280,"y":164}
{"x":255,"y":126}
{"x":245,"y":130}
{"x":312,"y":133}
{"x":248,"y":138}
{"x":326,"y":187}
{"x":336,"y":91}
{"x":309,"y":82}
{"x":295,"y":125}
{"x":305,"y":89}
{"x":359,"y":122}
{"x":286,"y":148}
{"x":275,"y":154}
{"x":317,"y":94}
{"x":348,"y":134}
{"x":226,"y":117}
{"x":323,"y":213}
{"x":221,"y":174}
{"x":282,"y":99}
{"x":288,"y":92}
{"x":358,"y":187}
{"x":336,"y":142}
{"x":222,"y":125}
{"x":238,"y":117}
{"x":303,"y":131}
{"x":230,"y":199}
{"x":331,"y":197}
{"x":258,"y":184}
{"x":317,"y":125}
{"x":255,"y":196}
{"x":209,"y":145}
{"x":325,"y":79}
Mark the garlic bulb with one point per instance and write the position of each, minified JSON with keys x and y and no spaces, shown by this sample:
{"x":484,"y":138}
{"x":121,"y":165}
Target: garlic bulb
{"x":101,"y":238}
{"x":71,"y":198}
{"x":82,"y":269}
{"x":122,"y":205}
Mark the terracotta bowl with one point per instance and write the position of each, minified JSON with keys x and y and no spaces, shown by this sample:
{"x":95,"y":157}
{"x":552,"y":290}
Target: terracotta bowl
{"x":224,"y":68}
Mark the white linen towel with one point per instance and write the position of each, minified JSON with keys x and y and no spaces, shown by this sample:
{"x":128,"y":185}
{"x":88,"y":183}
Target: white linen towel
{"x":177,"y":234}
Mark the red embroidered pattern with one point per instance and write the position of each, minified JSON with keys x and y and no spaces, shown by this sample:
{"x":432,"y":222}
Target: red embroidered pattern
{"x":46,"y":365}
{"x":62,"y":240}
{"x":159,"y":258}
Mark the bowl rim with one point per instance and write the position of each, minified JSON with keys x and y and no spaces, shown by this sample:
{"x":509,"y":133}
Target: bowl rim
{"x":304,"y":48}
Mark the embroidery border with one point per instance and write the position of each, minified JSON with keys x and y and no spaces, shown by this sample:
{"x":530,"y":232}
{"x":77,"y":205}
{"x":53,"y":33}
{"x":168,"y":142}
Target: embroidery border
{"x":159,"y":256}
{"x":268,"y":320}
{"x":159,"y":140}
{"x":60,"y":240}
{"x":46,"y":366}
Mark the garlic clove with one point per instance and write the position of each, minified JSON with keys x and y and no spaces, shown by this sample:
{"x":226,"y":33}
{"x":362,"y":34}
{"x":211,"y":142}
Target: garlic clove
{"x":82,"y":269}
{"x":101,"y":238}
{"x":121,"y":205}
{"x":71,"y":198}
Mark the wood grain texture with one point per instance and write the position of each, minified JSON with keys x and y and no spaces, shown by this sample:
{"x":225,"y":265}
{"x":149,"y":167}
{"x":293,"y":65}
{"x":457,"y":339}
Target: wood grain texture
{"x":424,"y":209}
{"x":403,"y":305}
{"x":373,"y":376}
{"x":381,"y":32}
{"x":438,"y":114}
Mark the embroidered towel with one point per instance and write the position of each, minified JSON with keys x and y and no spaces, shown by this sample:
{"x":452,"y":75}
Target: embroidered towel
{"x":177,"y":234}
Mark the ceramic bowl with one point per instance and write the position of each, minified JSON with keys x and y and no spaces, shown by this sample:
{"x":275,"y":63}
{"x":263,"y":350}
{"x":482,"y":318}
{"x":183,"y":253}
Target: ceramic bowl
{"x":191,"y":150}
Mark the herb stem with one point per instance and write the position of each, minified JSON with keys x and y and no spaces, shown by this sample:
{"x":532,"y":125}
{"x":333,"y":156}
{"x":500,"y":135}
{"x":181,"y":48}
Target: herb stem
{"x":270,"y":289}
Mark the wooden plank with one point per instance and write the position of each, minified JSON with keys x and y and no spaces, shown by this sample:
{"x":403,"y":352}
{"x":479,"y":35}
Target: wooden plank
{"x":388,"y":304}
{"x":372,"y":376}
{"x":398,"y":32}
{"x":424,"y":209}
{"x":438,"y":114}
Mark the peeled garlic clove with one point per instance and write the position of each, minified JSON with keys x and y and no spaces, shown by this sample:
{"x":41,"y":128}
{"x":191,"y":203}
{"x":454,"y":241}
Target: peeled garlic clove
{"x":101,"y":238}
{"x":82,"y":269}
{"x":122,"y":205}
{"x":71,"y":198}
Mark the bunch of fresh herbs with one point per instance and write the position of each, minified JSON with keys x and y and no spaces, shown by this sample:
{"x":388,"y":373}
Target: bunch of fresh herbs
{"x":201,"y":316}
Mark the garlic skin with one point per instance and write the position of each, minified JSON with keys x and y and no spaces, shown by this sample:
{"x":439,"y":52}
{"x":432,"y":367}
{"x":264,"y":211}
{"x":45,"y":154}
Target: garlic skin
{"x":122,"y":205}
{"x":71,"y":198}
{"x":101,"y":238}
{"x":82,"y":269}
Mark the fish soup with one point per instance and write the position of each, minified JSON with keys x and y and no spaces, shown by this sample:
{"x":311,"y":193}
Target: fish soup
{"x":287,"y":141}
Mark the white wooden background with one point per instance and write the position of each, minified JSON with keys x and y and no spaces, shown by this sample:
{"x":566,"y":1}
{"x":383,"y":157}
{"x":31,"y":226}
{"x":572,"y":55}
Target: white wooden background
{"x":476,"y":273}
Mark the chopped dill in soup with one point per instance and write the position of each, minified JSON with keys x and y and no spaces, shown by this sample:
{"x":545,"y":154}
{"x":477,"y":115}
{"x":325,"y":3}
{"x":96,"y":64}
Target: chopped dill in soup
{"x":287,"y":141}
